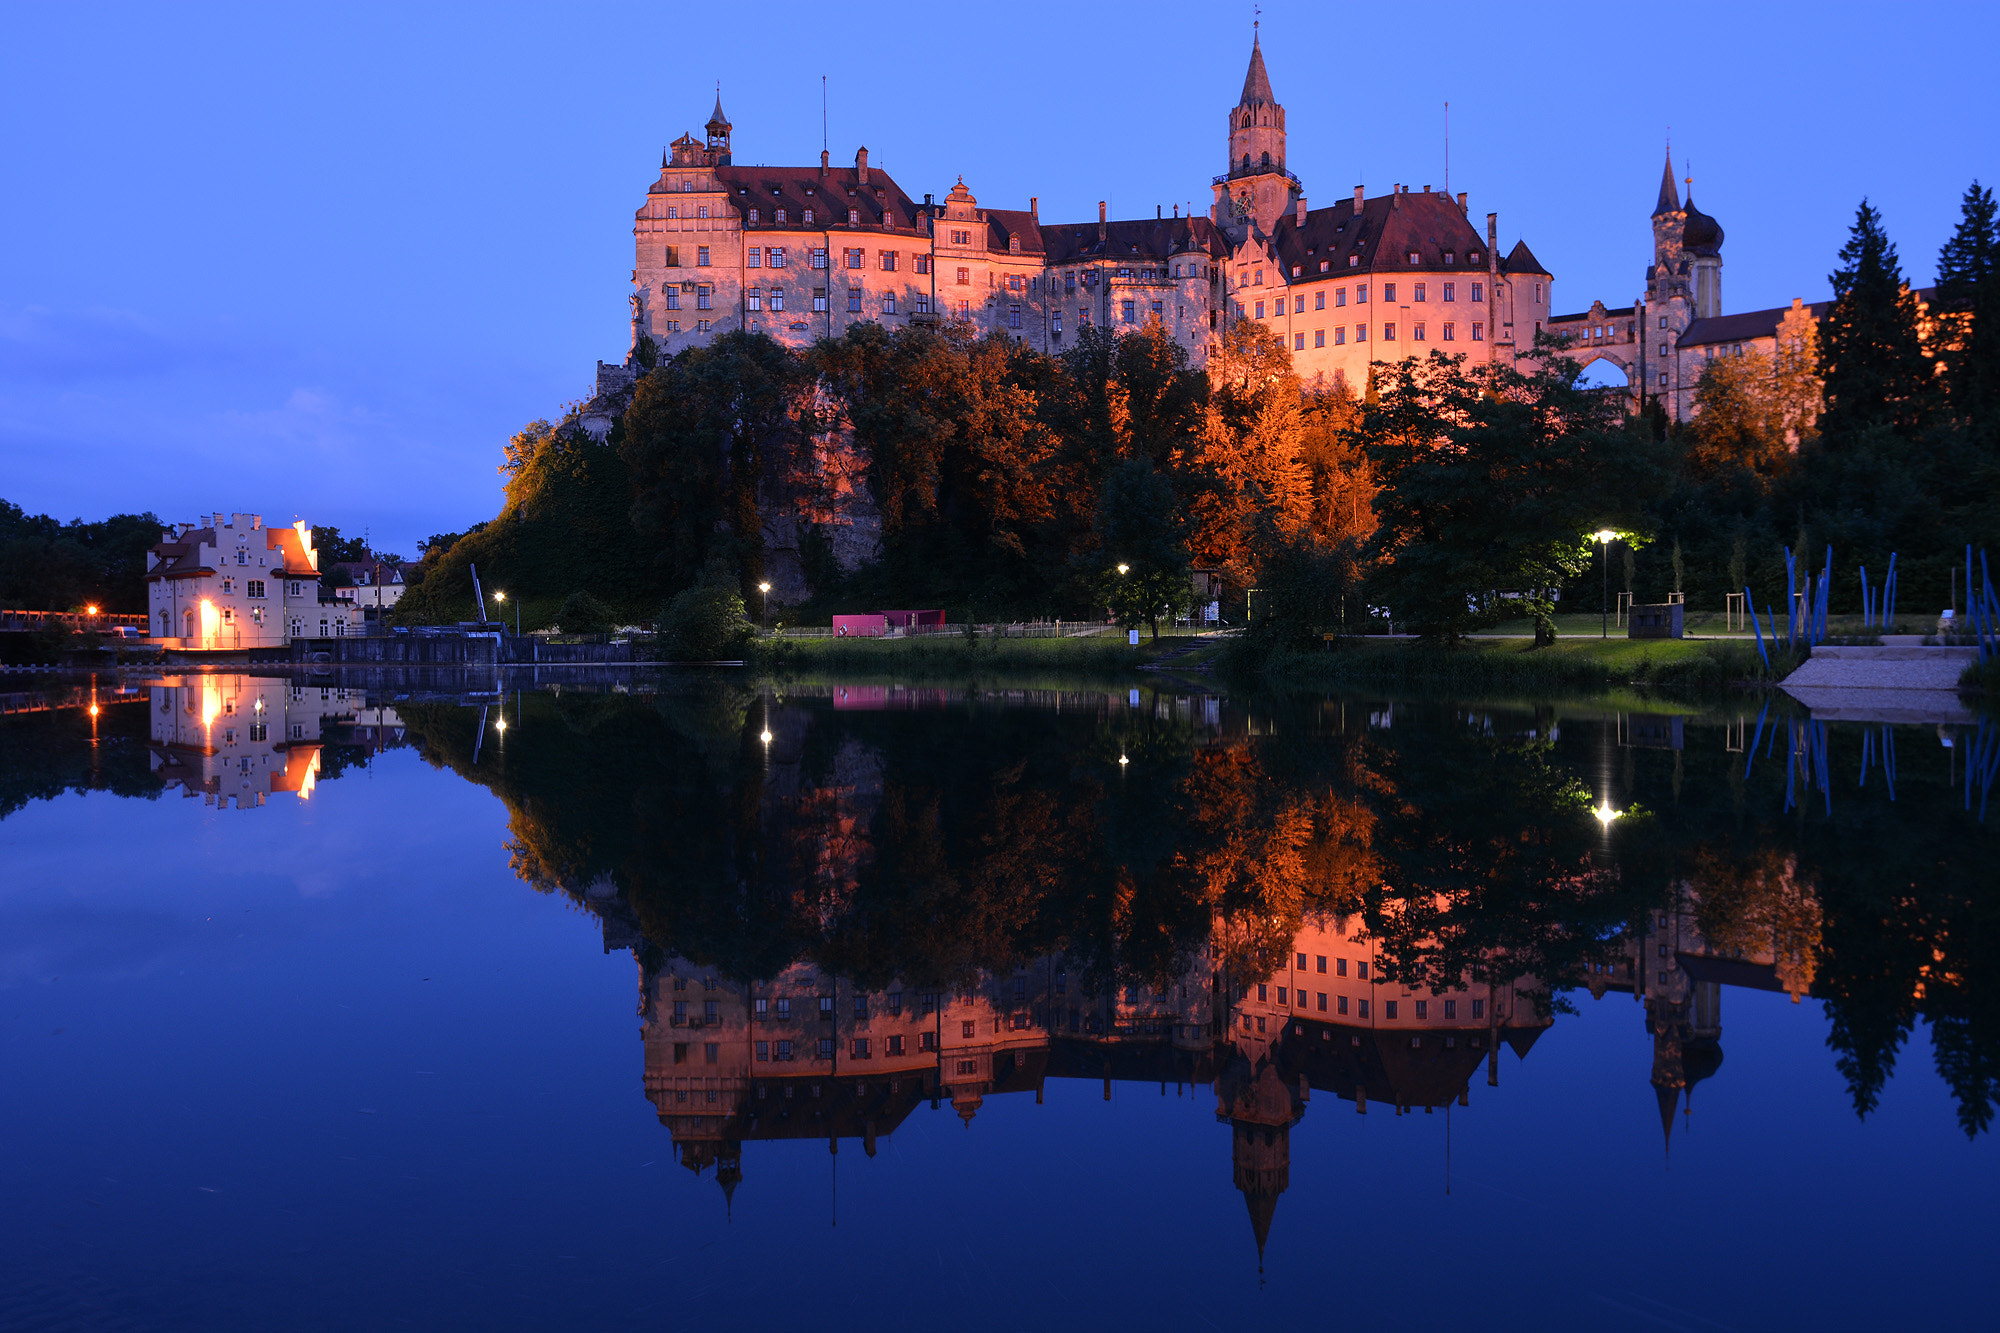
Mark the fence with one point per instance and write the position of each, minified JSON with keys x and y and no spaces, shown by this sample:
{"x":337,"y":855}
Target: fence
{"x":1053,"y":629}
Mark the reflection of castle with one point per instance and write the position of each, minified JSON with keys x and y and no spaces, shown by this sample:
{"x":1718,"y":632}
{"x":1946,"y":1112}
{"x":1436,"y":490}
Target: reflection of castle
{"x":808,"y":1055}
{"x":245,"y":737}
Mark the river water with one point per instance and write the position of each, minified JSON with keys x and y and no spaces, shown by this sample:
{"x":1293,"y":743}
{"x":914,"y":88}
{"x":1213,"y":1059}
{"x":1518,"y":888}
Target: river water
{"x":672,"y":1002}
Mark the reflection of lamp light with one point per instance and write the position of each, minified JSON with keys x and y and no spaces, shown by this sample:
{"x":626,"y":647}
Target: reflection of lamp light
{"x":500,"y":724}
{"x":1605,"y":814}
{"x":93,"y":710}
{"x":1122,"y":761}
{"x":765,"y":735}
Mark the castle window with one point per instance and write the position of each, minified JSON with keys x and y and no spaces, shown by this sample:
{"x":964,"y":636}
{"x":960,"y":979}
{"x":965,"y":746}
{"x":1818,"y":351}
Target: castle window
{"x":753,"y":298}
{"x":1354,"y":261}
{"x":1473,"y":258}
{"x":1015,"y":283}
{"x":1260,"y":308}
{"x":1451,"y":333}
{"x":701,"y":210}
{"x":1361,"y":969}
{"x":819,"y":299}
{"x":702,"y":326}
{"x":888,"y":303}
{"x":1298,"y":342}
{"x":1361,"y":333}
{"x":776,"y":258}
{"x":1479,"y":333}
{"x":1663,"y":379}
{"x":254,"y":587}
{"x":1449,"y":257}
{"x":673,"y":300}
{"x":853,"y":300}
{"x":961,"y":238}
{"x":1388,"y":1008}
{"x":1362,"y":1007}
{"x":1389,"y":291}
{"x":965,"y":310}
{"x":1413,"y":258}
{"x":818,"y":256}
{"x":853,"y":215}
{"x":1361,"y":294}
{"x":1340,"y":336}
{"x":704,"y":297}
{"x":673,"y":326}
{"x":1538,"y":292}
{"x":701,"y":256}
{"x":673,"y":210}
{"x":687,"y":185}
{"x":1416,"y":332}
{"x":923,"y":263}
{"x":1451,"y":291}
{"x":1295,"y":270}
{"x":965,"y":277}
{"x":1069,"y":282}
{"x":753,"y":215}
{"x":1299,"y":304}
{"x":859,"y":1048}
{"x":781,"y":215}
{"x":1013,"y":316}
{"x":777,"y":298}
{"x":1423,"y":1009}
{"x":1479,"y":291}
{"x":751,"y":256}
{"x":1056,"y":324}
{"x":1450,"y":1010}
{"x":1319,"y":337}
{"x":1257,"y":279}
{"x":1159,"y":308}
{"x":806,"y":215}
{"x":888,"y":261}
{"x":1420,"y":290}
{"x":1325,"y":264}
{"x":1340,"y":1004}
{"x":1319,"y":300}
{"x":1126,"y":309}
{"x":673,"y":259}
{"x":1339,"y":297}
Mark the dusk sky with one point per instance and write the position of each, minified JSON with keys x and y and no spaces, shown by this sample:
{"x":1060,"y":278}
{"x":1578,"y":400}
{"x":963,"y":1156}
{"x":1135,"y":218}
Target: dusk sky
{"x":321,"y":263}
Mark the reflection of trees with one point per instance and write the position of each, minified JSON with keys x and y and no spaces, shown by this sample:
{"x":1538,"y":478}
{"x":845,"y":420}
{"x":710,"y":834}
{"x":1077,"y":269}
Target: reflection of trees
{"x":45,"y":754}
{"x":931,"y":845}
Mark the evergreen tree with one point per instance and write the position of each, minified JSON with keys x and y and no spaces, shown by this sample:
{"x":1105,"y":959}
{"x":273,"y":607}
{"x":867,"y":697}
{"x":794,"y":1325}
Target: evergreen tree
{"x":1968,"y":311}
{"x":1871,"y":360}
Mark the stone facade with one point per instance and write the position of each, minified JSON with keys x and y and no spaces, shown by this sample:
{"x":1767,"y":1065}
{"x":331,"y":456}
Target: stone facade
{"x":802,"y":253}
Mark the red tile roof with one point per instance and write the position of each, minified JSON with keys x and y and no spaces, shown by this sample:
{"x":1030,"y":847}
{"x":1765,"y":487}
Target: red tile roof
{"x":830,"y":194}
{"x":1143,"y":238}
{"x":1390,"y":229}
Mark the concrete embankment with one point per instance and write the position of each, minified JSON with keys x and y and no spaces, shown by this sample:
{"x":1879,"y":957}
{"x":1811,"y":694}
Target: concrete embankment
{"x":1897,"y":682}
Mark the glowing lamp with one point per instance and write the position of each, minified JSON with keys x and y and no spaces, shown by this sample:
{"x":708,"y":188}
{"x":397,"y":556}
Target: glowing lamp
{"x":764,"y":588}
{"x":765,"y":735}
{"x":1606,"y":536}
{"x":1605,"y":814}
{"x":1124,"y":569}
{"x":1122,"y":761}
{"x":90,"y":610}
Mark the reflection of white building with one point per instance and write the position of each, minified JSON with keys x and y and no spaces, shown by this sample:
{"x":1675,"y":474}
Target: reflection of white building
{"x":239,"y":584}
{"x":243,"y":737}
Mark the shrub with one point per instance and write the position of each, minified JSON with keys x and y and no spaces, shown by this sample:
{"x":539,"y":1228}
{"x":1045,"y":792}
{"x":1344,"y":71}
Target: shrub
{"x":706,"y":623}
{"x":583,"y":614}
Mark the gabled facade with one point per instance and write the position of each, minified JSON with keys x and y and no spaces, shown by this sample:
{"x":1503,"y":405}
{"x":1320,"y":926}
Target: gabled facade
{"x":802,"y":253}
{"x":223,"y":586}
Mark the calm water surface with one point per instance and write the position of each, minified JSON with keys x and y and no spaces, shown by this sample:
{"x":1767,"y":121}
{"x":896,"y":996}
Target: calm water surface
{"x":696,"y":1003}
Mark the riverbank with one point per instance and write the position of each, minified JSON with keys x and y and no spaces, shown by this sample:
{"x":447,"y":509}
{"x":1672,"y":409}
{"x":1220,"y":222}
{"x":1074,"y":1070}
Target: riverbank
{"x":1688,"y":666}
{"x":938,"y":656}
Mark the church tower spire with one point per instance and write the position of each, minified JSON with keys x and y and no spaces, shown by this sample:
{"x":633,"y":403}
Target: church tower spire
{"x":1256,"y":187}
{"x":718,"y":128}
{"x":1670,"y":193}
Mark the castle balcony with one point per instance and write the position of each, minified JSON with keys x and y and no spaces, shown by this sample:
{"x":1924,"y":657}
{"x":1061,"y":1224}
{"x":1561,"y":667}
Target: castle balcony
{"x":1257,"y":169}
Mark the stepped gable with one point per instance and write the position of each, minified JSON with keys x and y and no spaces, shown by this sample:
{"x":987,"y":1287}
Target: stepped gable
{"x":1390,"y":229}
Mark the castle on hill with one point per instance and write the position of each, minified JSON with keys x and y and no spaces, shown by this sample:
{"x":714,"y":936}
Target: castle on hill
{"x":803,"y":253}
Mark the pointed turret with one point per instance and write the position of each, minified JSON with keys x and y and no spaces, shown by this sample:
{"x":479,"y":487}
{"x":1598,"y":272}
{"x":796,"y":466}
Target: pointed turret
{"x":718,"y":128}
{"x":1669,"y":1098}
{"x":1256,"y":82}
{"x":1670,"y":193}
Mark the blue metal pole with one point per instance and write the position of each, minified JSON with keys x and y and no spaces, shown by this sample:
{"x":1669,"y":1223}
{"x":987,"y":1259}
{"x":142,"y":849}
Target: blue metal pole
{"x":1760,"y":640}
{"x":1889,"y":594}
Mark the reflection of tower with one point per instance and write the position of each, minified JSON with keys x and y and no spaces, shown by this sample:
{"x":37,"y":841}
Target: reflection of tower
{"x":1261,"y":1108}
{"x":1687,"y":1047}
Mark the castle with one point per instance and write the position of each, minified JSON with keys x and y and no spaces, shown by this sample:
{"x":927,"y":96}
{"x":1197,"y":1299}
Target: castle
{"x":802,"y":253}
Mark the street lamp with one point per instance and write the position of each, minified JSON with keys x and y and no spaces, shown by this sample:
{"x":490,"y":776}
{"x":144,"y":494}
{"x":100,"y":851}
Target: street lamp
{"x":501,"y":597}
{"x":1605,"y":814}
{"x":1605,"y":537}
{"x":1124,"y":569}
{"x":764,"y":609}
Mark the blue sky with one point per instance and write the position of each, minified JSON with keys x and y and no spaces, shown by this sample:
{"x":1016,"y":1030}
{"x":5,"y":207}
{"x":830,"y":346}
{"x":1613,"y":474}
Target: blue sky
{"x":322,"y":262}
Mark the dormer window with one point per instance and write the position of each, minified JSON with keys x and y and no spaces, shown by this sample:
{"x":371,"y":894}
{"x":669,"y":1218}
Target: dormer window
{"x":781,"y":215}
{"x":753,"y":215}
{"x":1413,"y":257}
{"x":807,"y":215}
{"x":853,"y":215}
{"x":1296,"y":270}
{"x":1450,"y":258}
{"x":1325,"y":264}
{"x":1472,"y":258}
{"x":1354,"y":261}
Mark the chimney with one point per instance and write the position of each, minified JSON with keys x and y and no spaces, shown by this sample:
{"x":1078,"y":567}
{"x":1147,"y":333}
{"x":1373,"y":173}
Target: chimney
{"x":824,"y":167}
{"x":861,"y":164}
{"x":1301,"y":217}
{"x":1492,"y":235}
{"x":1427,"y":189}
{"x":1035,"y":207}
{"x":1103,"y":230}
{"x":1357,"y":201}
{"x":1461,"y":201}
{"x":1396,"y":197}
{"x":1177,"y":210}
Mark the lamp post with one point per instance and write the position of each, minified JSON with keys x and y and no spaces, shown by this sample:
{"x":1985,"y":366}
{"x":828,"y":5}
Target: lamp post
{"x":501,"y":597}
{"x":764,"y":607}
{"x":1604,"y":539}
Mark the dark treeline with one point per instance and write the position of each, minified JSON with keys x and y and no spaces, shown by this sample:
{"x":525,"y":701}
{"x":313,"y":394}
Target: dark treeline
{"x":1008,"y":483}
{"x":925,"y":845}
{"x":49,"y":565}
